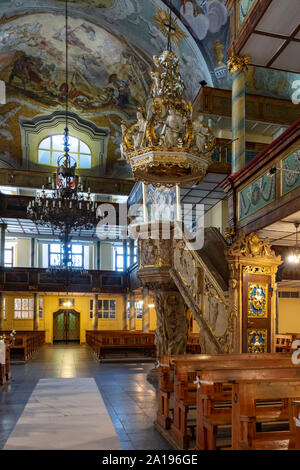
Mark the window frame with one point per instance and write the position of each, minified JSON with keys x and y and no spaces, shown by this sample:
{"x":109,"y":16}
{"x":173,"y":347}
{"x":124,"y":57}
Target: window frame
{"x":11,"y":264}
{"x":28,"y":311}
{"x":60,"y":253}
{"x":74,"y":155}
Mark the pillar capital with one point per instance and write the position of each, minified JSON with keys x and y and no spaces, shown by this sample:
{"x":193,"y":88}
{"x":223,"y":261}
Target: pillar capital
{"x":237,"y":64}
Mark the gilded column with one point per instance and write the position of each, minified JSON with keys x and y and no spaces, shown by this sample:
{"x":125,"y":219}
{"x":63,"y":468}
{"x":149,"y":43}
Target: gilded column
{"x":95,"y":313}
{"x":237,"y":66}
{"x":35,"y":311}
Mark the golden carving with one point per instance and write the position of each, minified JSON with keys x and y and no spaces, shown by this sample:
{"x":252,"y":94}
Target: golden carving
{"x":257,"y":341}
{"x":167,"y":147}
{"x":251,"y":246}
{"x":237,"y":63}
{"x":257,"y":300}
{"x":257,"y":269}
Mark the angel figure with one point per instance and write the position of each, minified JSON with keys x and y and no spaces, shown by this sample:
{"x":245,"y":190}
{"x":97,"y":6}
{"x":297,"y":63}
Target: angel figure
{"x":200,"y":134}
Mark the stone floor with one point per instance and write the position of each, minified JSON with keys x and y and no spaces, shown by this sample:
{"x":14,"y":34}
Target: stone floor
{"x":129,"y":398}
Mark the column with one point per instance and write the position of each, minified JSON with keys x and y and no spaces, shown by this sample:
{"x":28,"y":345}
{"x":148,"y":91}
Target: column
{"x":132,"y":316}
{"x":98,"y":255}
{"x":237,"y":66}
{"x":35,"y":311}
{"x":125,"y":313}
{"x":1,"y":311}
{"x":131,"y":252}
{"x":125,"y":264}
{"x":32,"y":253}
{"x":2,"y":244}
{"x":95,"y":315}
{"x":146,"y":313}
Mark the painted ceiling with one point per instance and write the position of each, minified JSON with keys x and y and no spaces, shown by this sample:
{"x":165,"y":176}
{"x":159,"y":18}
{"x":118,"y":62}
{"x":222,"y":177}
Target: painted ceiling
{"x":111,"y":45}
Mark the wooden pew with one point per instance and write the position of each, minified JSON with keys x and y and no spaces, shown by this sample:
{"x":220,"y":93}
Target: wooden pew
{"x":283,"y":342}
{"x":184,"y":400}
{"x":26,"y":343}
{"x":276,"y":381}
{"x":101,"y":341}
{"x":210,"y":416}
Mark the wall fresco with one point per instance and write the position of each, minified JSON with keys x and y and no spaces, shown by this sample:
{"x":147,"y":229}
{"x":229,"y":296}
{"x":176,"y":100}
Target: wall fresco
{"x":290,"y":181}
{"x":257,"y":195}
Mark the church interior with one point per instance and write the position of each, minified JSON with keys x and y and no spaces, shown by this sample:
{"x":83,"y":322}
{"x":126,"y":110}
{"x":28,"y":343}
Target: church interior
{"x":150,"y":225}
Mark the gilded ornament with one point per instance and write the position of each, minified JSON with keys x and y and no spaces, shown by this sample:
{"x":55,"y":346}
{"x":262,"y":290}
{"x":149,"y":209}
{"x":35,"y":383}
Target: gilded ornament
{"x":166,"y":147}
{"x":238,"y":64}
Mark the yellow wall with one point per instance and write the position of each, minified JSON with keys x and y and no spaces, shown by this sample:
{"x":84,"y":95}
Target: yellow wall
{"x":288,"y":314}
{"x":218,"y":216}
{"x":82,"y":305}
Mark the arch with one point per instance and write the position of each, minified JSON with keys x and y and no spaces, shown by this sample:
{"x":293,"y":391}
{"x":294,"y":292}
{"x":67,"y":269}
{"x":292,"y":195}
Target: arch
{"x":34,"y":131}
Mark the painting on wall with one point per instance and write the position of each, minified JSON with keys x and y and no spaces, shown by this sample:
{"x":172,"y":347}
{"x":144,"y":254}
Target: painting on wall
{"x":103,"y":70}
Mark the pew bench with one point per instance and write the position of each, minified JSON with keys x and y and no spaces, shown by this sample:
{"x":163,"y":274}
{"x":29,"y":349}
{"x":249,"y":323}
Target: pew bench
{"x":26,"y":343}
{"x":184,"y":392}
{"x":273,"y":383}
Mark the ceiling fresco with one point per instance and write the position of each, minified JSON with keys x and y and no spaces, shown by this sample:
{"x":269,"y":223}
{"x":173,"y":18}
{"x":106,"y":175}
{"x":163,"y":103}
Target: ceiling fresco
{"x":111,"y":46}
{"x":103,"y":70}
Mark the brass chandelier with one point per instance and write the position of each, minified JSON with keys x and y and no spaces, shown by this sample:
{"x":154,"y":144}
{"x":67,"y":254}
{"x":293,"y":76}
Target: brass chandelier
{"x":66,"y":209}
{"x":165,"y":146}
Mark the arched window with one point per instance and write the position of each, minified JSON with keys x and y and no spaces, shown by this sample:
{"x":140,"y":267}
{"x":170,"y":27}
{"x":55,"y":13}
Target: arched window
{"x":52,"y":148}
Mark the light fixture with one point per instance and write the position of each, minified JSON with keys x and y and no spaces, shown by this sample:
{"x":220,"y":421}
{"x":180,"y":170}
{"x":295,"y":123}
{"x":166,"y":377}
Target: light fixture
{"x":68,"y":210}
{"x":165,"y":146}
{"x":294,"y":257}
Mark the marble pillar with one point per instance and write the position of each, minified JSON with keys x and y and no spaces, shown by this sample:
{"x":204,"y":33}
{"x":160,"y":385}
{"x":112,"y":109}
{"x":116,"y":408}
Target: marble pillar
{"x":237,"y":66}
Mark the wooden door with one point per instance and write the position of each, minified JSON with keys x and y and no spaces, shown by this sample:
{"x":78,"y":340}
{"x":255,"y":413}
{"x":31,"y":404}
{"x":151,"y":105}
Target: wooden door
{"x":66,"y":326}
{"x":256,"y":322}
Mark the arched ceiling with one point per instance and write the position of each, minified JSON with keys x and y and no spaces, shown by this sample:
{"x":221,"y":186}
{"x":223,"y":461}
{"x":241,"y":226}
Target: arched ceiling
{"x":111,"y":45}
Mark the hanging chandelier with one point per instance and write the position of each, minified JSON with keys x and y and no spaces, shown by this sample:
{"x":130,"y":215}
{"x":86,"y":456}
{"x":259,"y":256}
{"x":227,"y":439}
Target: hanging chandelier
{"x":294,"y":257}
{"x":165,"y":146}
{"x":67,"y":209}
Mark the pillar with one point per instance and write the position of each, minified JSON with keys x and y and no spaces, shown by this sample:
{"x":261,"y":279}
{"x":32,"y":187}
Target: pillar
{"x":95,"y":313}
{"x":146,"y":312}
{"x":2,"y":244}
{"x":32,"y":253}
{"x":131,"y":252}
{"x":1,"y":311}
{"x":132,"y":316}
{"x":125,"y":313}
{"x":125,"y":264}
{"x":237,"y":66}
{"x":98,"y":255}
{"x":35,"y":311}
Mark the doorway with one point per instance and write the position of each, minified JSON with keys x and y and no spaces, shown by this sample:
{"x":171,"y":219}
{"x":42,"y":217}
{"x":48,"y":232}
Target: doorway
{"x":66,"y":326}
